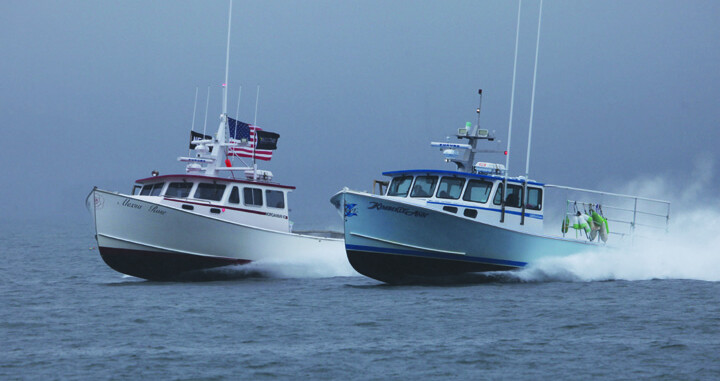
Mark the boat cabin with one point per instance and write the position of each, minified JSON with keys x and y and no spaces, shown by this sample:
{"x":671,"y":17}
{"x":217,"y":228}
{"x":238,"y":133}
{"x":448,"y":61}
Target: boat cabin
{"x":258,"y":203}
{"x":471,"y":195}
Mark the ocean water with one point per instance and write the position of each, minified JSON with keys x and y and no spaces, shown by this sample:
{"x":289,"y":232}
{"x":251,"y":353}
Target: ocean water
{"x":647,"y":312}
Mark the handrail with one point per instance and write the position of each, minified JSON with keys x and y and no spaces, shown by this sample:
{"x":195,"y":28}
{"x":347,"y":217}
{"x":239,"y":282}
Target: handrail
{"x":607,"y":193}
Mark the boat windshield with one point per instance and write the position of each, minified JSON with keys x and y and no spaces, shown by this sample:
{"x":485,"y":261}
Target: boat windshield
{"x":450,"y":187}
{"x":400,"y":186}
{"x":424,"y":186}
{"x":151,"y":189}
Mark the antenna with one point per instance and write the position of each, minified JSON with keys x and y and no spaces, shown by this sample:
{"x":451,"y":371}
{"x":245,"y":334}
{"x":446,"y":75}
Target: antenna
{"x":207,"y":104}
{"x":257,"y":98}
{"x":512,"y":103}
{"x":227,"y":62}
{"x":237,"y":110}
{"x":192,"y":128}
{"x":479,"y":107}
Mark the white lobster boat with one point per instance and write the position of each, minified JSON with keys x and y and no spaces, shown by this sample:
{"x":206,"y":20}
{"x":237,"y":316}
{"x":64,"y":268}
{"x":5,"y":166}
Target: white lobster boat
{"x":215,"y":214}
{"x":429,"y":225}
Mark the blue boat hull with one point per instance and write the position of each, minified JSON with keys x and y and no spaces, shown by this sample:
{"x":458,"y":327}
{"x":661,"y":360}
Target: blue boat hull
{"x":397,"y":242}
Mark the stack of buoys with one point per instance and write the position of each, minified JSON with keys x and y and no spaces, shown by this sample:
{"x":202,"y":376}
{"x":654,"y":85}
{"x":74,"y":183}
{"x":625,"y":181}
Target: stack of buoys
{"x":601,"y":225}
{"x":593,"y":224}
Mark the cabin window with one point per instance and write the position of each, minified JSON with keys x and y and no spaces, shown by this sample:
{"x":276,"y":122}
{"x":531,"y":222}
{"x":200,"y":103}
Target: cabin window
{"x":513,"y":198}
{"x":275,"y":199}
{"x":450,"y":187}
{"x":400,"y":186}
{"x":424,"y":186}
{"x":252,"y":196}
{"x":534,"y":201}
{"x":178,"y":189}
{"x":234,"y":196}
{"x":213,"y":192}
{"x":478,"y":191}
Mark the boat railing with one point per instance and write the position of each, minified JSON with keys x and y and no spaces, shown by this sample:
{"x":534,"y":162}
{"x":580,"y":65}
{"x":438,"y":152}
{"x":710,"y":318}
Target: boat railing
{"x":626,"y":214}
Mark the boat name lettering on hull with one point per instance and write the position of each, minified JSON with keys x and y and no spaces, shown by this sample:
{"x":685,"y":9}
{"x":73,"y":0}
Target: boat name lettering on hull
{"x":130,"y":204}
{"x":156,"y":209}
{"x":153,"y":209}
{"x":397,"y":209}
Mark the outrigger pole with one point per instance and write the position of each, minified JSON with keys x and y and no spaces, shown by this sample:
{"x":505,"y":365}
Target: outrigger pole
{"x":512,"y":103}
{"x":532,"y":111}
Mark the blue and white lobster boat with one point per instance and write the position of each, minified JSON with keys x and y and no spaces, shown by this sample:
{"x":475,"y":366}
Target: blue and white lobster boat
{"x":429,"y":225}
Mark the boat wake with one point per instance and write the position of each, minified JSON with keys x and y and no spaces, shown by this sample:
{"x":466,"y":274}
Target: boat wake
{"x":688,"y":251}
{"x":307,"y":265}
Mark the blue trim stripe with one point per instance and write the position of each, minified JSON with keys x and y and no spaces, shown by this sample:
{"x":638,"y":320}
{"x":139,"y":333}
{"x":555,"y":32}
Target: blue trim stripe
{"x":425,"y":254}
{"x":530,"y":215}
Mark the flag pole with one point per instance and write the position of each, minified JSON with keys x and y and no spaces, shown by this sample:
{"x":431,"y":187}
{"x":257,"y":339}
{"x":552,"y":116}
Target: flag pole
{"x":255,"y":141}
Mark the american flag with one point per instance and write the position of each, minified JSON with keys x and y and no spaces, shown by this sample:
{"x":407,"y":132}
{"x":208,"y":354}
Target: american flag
{"x":245,"y":133}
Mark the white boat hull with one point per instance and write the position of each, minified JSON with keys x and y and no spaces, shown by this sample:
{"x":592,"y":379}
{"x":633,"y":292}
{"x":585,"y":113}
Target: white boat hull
{"x":398,"y":242}
{"x":157,"y":242}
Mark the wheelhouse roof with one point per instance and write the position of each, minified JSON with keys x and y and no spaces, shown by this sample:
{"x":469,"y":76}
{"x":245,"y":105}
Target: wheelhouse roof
{"x":441,"y":172}
{"x":209,"y":178}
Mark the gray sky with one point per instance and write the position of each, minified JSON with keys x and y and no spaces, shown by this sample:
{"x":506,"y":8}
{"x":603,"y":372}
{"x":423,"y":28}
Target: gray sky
{"x":103,"y":91}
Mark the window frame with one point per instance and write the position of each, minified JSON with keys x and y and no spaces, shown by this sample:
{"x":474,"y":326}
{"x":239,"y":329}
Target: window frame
{"x":250,"y":201}
{"x":267,"y":199}
{"x":540,"y":198}
{"x":432,"y":187}
{"x":186,"y":185}
{"x":467,"y":188}
{"x":203,"y":186}
{"x":234,"y":190}
{"x":460,"y":193}
{"x":397,"y":178}
{"x":499,"y":191}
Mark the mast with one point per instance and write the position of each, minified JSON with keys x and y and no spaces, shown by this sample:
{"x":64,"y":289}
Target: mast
{"x":220,"y":139}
